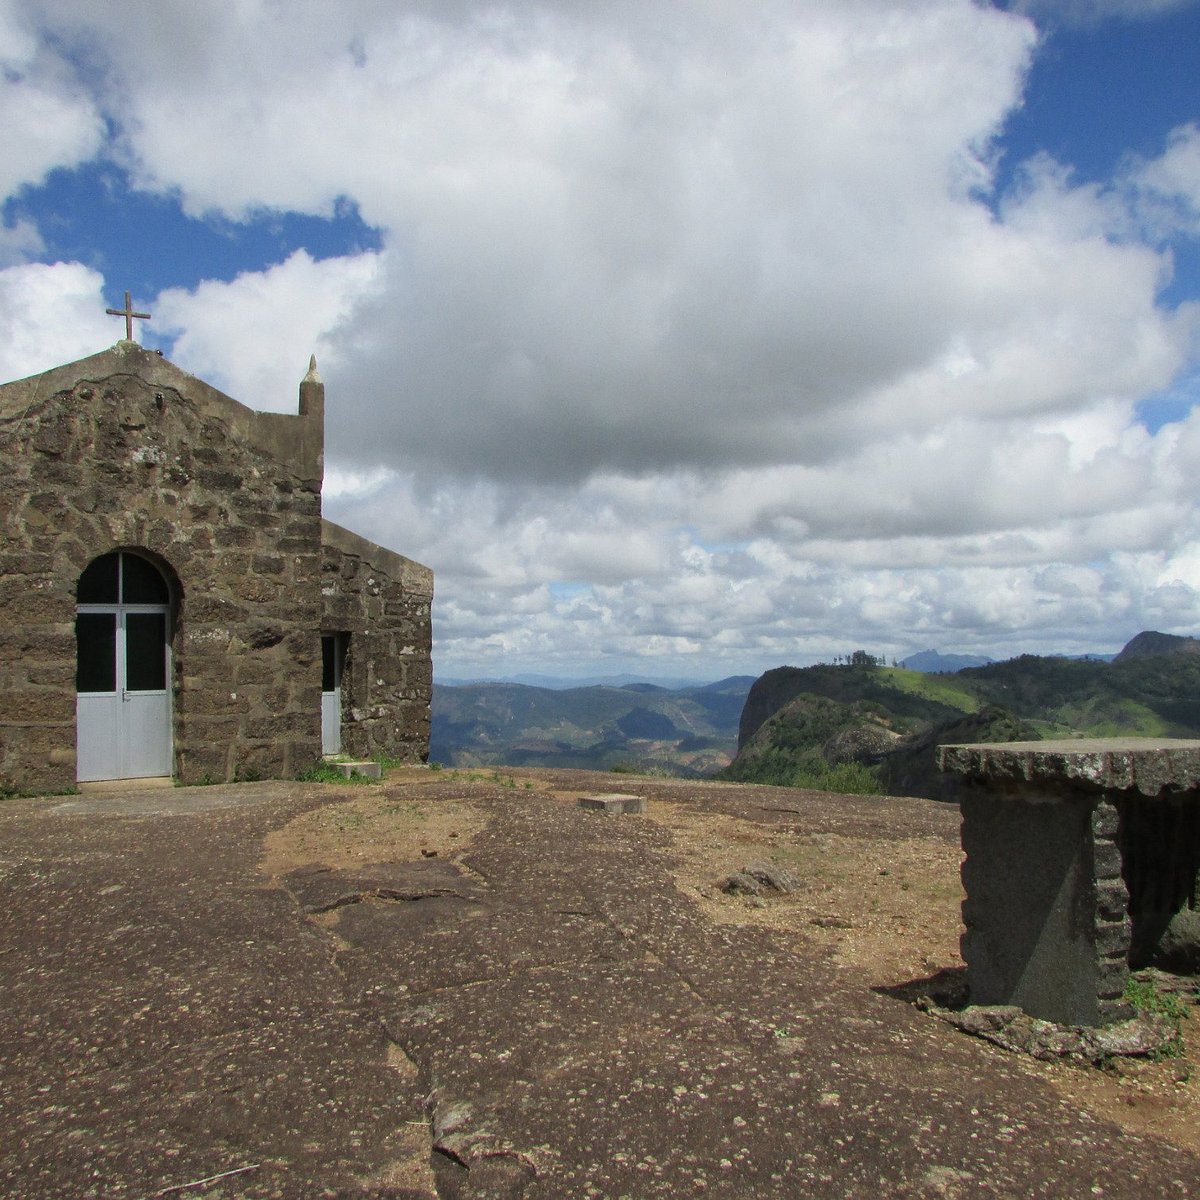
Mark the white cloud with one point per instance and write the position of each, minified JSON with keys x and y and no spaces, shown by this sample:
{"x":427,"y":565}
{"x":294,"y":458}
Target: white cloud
{"x":47,"y":117}
{"x":253,"y":336}
{"x":1166,"y":190}
{"x":691,"y":333}
{"x":51,"y":314}
{"x":19,"y":242}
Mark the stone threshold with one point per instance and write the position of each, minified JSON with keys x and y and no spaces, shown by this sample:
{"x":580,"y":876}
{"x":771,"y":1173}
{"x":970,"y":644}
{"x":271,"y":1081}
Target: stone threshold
{"x":123,"y":785}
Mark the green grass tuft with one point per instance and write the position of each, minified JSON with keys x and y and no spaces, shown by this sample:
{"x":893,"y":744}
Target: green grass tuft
{"x":1146,"y":998}
{"x":324,"y":773}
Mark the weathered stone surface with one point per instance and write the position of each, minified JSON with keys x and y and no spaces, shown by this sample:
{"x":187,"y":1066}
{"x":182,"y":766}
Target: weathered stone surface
{"x":1010,"y":1027}
{"x":1029,"y":937}
{"x":367,"y":769}
{"x":1178,"y":947}
{"x":562,"y":1021}
{"x":758,"y":877}
{"x":388,"y":659}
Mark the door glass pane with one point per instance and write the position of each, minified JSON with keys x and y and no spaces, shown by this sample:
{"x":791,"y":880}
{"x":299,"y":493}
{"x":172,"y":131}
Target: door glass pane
{"x":141,"y":582}
{"x":96,"y":658}
{"x":98,"y":583}
{"x":145,"y":652}
{"x":329,"y":680}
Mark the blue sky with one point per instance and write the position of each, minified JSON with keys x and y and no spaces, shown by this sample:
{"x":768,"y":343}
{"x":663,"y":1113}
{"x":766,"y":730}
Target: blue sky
{"x":92,"y":214}
{"x":1098,"y":93}
{"x":673,"y":340}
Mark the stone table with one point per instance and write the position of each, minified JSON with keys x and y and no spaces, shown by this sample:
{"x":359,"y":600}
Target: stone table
{"x":1081,"y":860}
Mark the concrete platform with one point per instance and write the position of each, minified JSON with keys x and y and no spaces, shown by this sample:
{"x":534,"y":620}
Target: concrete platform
{"x":613,"y":802}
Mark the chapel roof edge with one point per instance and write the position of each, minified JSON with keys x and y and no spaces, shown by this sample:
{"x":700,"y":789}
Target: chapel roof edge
{"x":125,"y":356}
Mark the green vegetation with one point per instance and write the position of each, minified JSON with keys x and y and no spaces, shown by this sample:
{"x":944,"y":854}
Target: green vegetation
{"x":323,"y":772}
{"x":1145,"y":997}
{"x":941,"y":689}
{"x":11,"y":793}
{"x":785,"y":767}
{"x":855,"y":725}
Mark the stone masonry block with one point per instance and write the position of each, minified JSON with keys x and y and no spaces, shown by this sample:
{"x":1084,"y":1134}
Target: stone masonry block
{"x":614,"y":802}
{"x":1107,"y":860}
{"x":1106,"y":821}
{"x":1112,"y":900}
{"x":228,"y":501}
{"x":1112,"y":939}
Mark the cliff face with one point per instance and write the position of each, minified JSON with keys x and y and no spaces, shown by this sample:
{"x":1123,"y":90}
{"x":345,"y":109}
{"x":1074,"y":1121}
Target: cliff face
{"x":768,"y":694}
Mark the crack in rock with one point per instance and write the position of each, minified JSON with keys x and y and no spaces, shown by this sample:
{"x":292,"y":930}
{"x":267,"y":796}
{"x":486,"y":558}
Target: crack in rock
{"x":407,"y":897}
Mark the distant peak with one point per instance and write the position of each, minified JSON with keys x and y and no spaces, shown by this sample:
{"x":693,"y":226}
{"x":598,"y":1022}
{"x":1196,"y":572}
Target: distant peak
{"x":1151,"y":644}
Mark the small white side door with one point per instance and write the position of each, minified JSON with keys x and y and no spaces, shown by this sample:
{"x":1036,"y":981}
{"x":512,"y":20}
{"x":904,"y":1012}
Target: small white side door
{"x":332,"y":658}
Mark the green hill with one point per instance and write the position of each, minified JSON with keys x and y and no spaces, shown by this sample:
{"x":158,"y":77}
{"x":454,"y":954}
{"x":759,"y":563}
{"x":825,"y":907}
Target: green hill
{"x":865,"y":727}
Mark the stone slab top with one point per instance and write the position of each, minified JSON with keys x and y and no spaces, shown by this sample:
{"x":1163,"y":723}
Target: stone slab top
{"x":1148,"y":766}
{"x":613,"y":802}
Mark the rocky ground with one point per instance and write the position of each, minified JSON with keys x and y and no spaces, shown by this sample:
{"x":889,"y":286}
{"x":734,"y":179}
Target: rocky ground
{"x":461,"y":984}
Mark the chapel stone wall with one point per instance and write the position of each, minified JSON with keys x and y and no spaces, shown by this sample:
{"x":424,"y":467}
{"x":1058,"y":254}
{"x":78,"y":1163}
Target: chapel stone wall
{"x":382,"y":601}
{"x":125,"y":451}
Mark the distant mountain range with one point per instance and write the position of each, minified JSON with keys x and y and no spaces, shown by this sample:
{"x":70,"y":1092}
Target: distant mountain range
{"x":853,"y":727}
{"x":639,"y":726}
{"x":930,"y":662}
{"x":556,"y":683}
{"x":864,"y":727}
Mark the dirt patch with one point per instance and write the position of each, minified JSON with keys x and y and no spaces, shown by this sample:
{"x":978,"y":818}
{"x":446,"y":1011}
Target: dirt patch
{"x":888,"y":909}
{"x":373,"y":825}
{"x":1156,"y":1098}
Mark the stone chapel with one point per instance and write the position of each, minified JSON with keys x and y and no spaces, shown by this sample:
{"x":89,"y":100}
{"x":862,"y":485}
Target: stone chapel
{"x":172,"y":602}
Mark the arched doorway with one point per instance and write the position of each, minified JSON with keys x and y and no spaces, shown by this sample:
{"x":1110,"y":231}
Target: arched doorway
{"x":123,"y":647}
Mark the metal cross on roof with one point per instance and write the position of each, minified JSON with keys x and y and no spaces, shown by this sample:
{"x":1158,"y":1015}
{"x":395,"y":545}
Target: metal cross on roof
{"x":128,"y":313}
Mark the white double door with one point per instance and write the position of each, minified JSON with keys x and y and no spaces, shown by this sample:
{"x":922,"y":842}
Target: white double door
{"x":123,"y":703}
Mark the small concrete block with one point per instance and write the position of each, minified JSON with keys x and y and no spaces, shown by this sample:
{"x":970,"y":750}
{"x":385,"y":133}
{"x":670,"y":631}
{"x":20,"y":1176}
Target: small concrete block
{"x":614,"y":802}
{"x":368,"y":770}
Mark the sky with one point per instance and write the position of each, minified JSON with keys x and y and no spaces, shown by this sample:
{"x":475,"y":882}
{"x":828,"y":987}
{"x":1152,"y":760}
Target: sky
{"x":678,"y":337}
